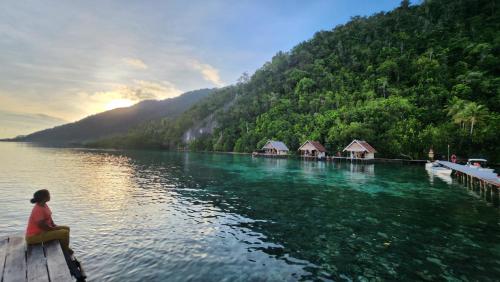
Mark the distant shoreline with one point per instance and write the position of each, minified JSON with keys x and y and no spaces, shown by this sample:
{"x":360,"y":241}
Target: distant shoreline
{"x":290,"y":156}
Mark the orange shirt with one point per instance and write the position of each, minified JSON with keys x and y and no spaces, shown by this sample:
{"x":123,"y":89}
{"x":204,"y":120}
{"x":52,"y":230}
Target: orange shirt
{"x":37,"y":214}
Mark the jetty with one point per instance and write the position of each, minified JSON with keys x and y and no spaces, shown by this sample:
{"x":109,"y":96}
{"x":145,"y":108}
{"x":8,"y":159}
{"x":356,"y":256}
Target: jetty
{"x":41,"y":262}
{"x":473,"y":174}
{"x":486,"y":182}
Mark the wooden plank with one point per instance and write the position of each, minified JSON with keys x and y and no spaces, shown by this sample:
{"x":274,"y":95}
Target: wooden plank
{"x":3,"y":254}
{"x":487,"y":176}
{"x":37,"y":264}
{"x":56,"y":263}
{"x":15,"y":262}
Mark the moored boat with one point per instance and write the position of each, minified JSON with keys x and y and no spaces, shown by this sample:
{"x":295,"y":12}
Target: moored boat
{"x":436,"y":168}
{"x":479,"y":164}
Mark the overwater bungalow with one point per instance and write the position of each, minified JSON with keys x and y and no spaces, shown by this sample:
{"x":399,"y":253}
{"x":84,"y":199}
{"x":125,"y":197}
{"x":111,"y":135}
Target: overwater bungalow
{"x":360,"y":150}
{"x":275,"y":148}
{"x":312,"y":149}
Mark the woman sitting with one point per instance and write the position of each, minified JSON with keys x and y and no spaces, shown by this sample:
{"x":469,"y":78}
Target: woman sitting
{"x":41,"y":227}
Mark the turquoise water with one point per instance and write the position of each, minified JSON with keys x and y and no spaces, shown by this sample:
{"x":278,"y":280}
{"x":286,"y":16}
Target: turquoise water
{"x":171,"y":216}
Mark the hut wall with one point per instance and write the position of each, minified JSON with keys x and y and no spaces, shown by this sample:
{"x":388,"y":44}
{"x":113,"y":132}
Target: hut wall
{"x":282,"y":152}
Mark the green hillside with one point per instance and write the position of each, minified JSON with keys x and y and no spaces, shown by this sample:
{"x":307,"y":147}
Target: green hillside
{"x":417,"y":77}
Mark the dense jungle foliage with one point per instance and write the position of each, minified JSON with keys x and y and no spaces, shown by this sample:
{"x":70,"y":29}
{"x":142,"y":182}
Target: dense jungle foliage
{"x":417,"y":77}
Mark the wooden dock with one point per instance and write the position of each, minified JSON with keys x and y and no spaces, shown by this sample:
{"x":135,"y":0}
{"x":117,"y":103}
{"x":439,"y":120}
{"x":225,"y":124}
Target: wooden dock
{"x":478,"y":175}
{"x":265,"y":155}
{"x":339,"y":159}
{"x":34,"y":263}
{"x":485,"y":183}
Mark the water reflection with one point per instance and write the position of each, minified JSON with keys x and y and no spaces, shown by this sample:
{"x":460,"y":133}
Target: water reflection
{"x":432,"y":176}
{"x":160,"y":216}
{"x":365,"y":169}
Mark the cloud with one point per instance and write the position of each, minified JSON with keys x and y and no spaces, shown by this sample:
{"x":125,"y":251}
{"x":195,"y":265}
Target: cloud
{"x":209,"y":73}
{"x":135,"y":63}
{"x":146,"y":90}
{"x":20,"y":116}
{"x":19,"y":123}
{"x":134,"y":92}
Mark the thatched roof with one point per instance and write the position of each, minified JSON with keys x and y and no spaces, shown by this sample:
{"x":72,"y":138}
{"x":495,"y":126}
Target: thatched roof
{"x":316,"y":145}
{"x":278,"y":145}
{"x":367,"y":147}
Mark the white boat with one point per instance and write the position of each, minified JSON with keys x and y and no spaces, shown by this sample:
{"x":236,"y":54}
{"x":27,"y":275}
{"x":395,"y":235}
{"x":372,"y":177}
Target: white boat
{"x":441,"y":170}
{"x":428,"y":165}
{"x":436,"y":168}
{"x":479,"y":164}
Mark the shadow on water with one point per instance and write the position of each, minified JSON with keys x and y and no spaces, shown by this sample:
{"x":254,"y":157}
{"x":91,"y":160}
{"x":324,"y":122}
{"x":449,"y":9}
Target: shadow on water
{"x":341,"y":221}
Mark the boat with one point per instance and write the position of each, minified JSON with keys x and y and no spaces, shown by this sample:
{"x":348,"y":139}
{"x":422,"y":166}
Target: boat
{"x":441,"y":170}
{"x":436,"y":168}
{"x":429,"y":165}
{"x":479,"y":164}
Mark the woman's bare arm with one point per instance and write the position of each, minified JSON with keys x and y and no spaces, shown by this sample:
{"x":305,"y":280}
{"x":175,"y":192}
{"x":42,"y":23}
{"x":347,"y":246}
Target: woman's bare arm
{"x":43,"y":225}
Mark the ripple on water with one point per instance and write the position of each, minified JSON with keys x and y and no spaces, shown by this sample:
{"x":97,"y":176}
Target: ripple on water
{"x":166,"y":216}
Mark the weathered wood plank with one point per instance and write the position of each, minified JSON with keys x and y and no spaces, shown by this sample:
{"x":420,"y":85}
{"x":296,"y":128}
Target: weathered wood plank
{"x":487,"y":176}
{"x":56,"y":263}
{"x":3,"y":254}
{"x":15,"y":262}
{"x":37,"y":264}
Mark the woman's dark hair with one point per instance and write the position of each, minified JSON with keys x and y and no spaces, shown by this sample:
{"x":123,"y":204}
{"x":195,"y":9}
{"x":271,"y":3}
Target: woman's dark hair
{"x":39,"y":196}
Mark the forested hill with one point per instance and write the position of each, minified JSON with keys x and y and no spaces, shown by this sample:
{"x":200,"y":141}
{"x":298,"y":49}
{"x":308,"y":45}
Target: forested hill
{"x":417,"y":77}
{"x":117,"y":121}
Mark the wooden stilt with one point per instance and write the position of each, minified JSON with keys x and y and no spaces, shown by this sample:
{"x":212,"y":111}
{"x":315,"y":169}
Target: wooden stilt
{"x":488,"y":192}
{"x":494,"y":197}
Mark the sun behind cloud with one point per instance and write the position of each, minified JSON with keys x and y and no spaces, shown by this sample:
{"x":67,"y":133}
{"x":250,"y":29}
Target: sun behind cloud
{"x":118,"y":103}
{"x":125,"y":95}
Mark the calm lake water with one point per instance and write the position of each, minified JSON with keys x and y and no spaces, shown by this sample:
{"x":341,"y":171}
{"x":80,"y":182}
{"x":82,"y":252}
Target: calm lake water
{"x":171,"y":216}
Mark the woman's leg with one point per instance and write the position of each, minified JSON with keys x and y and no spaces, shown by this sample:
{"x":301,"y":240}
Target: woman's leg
{"x":62,"y":235}
{"x":59,"y":227}
{"x":64,"y":227}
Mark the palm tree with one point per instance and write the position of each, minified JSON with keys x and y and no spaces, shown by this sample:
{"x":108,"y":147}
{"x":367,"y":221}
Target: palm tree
{"x":456,"y":111}
{"x":474,"y":113}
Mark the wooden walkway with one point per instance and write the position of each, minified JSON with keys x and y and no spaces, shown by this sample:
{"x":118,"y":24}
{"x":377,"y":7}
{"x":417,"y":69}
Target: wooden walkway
{"x":34,"y":263}
{"x":486,"y":176}
{"x":254,"y":154}
{"x":484,"y":183}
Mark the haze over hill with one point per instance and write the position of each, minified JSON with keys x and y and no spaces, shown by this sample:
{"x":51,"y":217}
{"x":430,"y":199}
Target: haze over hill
{"x":116,"y":121}
{"x":15,"y":124}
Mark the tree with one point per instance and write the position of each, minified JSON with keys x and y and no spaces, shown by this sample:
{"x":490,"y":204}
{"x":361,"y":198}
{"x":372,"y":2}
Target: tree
{"x":456,"y":109}
{"x":474,"y":114}
{"x":244,"y":78}
{"x":465,"y":112}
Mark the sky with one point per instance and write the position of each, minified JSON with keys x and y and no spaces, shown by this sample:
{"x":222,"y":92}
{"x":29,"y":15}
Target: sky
{"x":63,"y":60}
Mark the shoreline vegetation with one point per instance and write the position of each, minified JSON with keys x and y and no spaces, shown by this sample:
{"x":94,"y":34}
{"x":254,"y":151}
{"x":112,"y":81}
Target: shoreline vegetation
{"x":416,"y":78}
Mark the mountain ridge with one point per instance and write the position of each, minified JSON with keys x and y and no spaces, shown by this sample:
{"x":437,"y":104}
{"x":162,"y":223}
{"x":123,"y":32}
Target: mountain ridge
{"x":115,"y":121}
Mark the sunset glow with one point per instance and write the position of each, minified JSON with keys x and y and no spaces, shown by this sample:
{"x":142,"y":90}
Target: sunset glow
{"x":118,"y":103}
